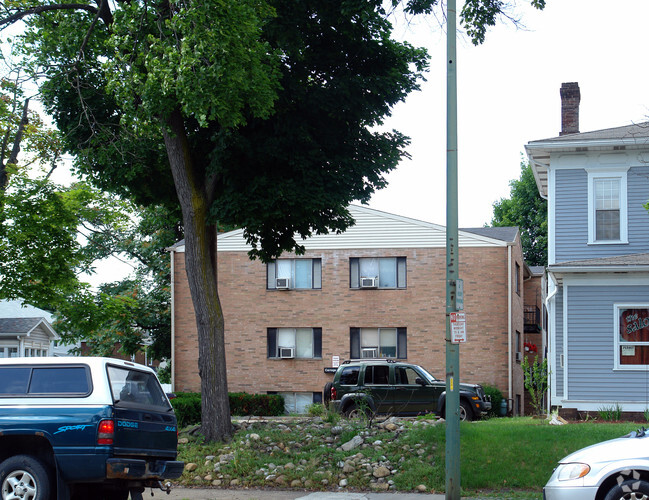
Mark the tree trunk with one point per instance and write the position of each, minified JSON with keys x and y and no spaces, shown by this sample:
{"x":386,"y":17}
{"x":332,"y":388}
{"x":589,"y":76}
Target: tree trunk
{"x":200,"y":262}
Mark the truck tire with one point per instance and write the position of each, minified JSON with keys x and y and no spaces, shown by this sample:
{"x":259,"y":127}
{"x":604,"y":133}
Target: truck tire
{"x":23,"y":476}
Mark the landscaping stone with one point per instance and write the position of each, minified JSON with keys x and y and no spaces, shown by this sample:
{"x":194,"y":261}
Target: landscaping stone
{"x":355,"y":442}
{"x":381,"y":471}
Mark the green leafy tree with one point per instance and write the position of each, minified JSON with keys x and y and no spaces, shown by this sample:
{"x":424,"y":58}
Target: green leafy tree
{"x":536,"y":381}
{"x":23,"y":129}
{"x":52,"y":234}
{"x":136,"y":310}
{"x":526,"y":209}
{"x":265,"y":113}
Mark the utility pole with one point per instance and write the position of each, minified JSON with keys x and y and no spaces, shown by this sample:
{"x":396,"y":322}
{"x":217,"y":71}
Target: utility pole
{"x":452,"y":260}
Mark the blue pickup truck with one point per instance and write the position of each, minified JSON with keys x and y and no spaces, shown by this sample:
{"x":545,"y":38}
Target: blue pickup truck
{"x":81,"y":427}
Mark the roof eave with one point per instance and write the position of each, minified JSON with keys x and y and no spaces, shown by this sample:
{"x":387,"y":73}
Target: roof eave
{"x":622,"y":268}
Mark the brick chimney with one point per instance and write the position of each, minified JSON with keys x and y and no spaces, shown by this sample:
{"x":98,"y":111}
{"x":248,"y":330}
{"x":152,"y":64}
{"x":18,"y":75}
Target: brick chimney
{"x":570,"y":97}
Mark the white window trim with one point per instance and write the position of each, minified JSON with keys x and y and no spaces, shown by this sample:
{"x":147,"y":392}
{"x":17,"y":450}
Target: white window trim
{"x":616,"y":332}
{"x":619,"y":173}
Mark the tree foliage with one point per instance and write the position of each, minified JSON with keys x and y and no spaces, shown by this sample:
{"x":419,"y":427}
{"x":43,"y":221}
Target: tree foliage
{"x":536,"y":381}
{"x":526,"y":209}
{"x":52,"y":235}
{"x":265,"y":111}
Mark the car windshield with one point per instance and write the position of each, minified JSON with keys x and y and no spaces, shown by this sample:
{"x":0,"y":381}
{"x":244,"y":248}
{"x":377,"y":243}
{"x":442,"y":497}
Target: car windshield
{"x":427,"y":376}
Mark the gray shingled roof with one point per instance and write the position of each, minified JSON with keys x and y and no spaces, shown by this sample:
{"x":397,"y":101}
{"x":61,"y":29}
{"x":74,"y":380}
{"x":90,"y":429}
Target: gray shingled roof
{"x":537,"y":269}
{"x":18,"y":325}
{"x":497,"y":233}
{"x":635,"y":131}
{"x":637,"y":259}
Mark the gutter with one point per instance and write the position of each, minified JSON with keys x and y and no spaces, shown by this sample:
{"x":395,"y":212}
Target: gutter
{"x":510,"y":367}
{"x":638,"y":268}
{"x":172,"y":253}
{"x":549,"y":298}
{"x":549,"y":144}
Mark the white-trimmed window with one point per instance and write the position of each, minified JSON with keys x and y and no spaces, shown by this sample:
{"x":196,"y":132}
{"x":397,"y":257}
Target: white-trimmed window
{"x":294,"y":274}
{"x":290,"y":343}
{"x":607,"y":206}
{"x":8,"y":352}
{"x":378,"y":343}
{"x":377,"y":272}
{"x":632,"y":336}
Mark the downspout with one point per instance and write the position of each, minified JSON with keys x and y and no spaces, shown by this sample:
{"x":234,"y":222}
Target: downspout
{"x":172,"y":253}
{"x":509,"y":324}
{"x":548,"y":299}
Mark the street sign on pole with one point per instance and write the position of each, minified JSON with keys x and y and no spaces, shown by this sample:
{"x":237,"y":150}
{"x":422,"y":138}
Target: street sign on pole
{"x":458,"y":328}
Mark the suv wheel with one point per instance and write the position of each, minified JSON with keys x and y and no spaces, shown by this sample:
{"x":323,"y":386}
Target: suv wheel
{"x":354,"y":411}
{"x":466,"y":414}
{"x":326,"y":394}
{"x":23,"y":476}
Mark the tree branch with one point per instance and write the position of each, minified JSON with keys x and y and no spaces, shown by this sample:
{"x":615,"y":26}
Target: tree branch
{"x":45,"y":8}
{"x":13,"y":159}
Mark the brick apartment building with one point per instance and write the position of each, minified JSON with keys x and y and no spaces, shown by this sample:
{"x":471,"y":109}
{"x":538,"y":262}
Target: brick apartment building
{"x":377,"y":290}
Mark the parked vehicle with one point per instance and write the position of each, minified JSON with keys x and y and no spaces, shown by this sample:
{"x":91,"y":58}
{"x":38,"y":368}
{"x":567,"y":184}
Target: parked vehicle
{"x":387,"y":386}
{"x":83,"y":428}
{"x":617,"y":469}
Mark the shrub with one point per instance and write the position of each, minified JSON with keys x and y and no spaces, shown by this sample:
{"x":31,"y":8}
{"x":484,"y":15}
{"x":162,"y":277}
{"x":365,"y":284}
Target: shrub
{"x":187,"y":406}
{"x":496,"y":399}
{"x":315,"y":410}
{"x":242,"y":403}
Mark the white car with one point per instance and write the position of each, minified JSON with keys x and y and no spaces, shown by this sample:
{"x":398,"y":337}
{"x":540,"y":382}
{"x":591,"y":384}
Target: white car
{"x":617,"y":469}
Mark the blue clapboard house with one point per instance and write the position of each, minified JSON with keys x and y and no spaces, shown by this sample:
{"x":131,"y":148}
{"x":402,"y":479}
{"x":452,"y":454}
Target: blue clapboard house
{"x":597,"y":186}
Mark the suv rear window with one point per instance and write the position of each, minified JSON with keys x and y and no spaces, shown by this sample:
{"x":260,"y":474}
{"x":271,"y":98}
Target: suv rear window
{"x":44,"y":381}
{"x":136,"y":389}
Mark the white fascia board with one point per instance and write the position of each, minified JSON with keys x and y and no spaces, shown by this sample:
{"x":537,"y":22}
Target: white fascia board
{"x":576,"y":270}
{"x":46,"y":325}
{"x":553,"y":145}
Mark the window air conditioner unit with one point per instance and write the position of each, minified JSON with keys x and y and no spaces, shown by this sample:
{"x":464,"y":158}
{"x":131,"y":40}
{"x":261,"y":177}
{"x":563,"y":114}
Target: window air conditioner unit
{"x":282,"y":283}
{"x":368,"y":282}
{"x":286,"y":352}
{"x":369,"y":352}
{"x":519,"y":357}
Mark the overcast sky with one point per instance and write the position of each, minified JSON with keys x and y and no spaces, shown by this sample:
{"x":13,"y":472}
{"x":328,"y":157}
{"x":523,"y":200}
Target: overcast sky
{"x":508,"y":95}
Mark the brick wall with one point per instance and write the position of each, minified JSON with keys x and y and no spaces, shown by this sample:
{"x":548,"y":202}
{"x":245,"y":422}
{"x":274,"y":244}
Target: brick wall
{"x":249,"y":309}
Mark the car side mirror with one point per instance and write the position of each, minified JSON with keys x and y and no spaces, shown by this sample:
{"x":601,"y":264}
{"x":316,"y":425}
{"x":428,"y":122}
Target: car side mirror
{"x":420,"y":381}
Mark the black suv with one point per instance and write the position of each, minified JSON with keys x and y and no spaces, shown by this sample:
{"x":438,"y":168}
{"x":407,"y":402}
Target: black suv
{"x":397,"y":388}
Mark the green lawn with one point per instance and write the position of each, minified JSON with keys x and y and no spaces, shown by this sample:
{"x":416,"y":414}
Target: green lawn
{"x":500,"y":457}
{"x":518,"y":454}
